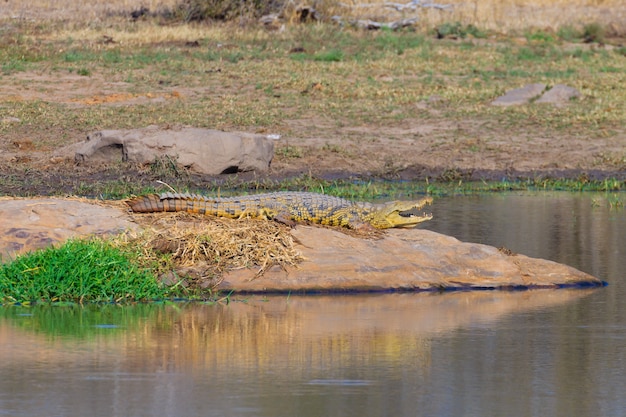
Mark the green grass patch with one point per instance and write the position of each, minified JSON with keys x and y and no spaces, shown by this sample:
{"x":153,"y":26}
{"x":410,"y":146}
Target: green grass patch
{"x":540,"y":36}
{"x":333,"y":55}
{"x":13,"y":66}
{"x":398,"y":42}
{"x":78,"y":56}
{"x":78,"y":271}
{"x":458,"y":30}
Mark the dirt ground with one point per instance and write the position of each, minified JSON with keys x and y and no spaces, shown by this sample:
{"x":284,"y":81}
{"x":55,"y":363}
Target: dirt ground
{"x":471,"y":149}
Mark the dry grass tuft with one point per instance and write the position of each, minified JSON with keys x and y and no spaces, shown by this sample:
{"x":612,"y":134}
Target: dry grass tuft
{"x":200,"y":249}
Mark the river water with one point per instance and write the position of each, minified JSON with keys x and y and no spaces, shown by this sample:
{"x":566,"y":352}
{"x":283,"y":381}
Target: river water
{"x":485,"y":353}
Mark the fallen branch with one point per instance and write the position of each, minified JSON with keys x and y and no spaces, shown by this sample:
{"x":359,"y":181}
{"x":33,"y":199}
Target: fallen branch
{"x":373,"y":25}
{"x":412,"y":5}
{"x":395,"y":25}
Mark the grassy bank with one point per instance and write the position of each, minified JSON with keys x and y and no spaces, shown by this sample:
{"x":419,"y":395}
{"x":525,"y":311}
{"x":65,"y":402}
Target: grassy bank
{"x":503,"y":15}
{"x":172,"y":257}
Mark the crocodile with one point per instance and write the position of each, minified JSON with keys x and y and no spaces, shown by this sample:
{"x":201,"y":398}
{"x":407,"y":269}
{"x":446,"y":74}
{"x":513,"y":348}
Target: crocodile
{"x":290,"y":208}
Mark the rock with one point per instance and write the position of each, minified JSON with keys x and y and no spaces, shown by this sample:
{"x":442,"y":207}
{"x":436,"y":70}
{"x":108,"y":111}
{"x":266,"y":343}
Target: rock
{"x":520,"y":95}
{"x":307,"y":13}
{"x":404,"y":260}
{"x":272,"y":22}
{"x":9,"y":120}
{"x":30,"y":224}
{"x":203,"y":151}
{"x":406,"y":314}
{"x":559,"y":95}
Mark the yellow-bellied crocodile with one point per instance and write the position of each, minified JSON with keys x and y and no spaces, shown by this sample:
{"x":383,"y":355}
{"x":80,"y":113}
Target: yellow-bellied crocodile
{"x":291,"y":207}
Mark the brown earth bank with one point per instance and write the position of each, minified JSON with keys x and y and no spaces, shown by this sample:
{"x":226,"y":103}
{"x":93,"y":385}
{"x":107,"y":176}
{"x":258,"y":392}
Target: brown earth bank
{"x":27,"y":171}
{"x":39,"y":160}
{"x":31,"y":174}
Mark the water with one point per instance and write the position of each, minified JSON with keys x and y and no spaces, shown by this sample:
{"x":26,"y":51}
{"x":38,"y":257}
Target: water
{"x":489,"y":353}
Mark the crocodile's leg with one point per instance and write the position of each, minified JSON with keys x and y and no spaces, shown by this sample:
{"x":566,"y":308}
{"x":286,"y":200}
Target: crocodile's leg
{"x":284,"y":218}
{"x":248,"y":212}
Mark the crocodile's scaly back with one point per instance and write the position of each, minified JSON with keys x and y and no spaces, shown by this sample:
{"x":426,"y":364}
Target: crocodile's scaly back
{"x":289,"y":207}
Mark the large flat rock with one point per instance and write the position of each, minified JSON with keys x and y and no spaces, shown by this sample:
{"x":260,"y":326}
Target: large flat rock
{"x":403,"y":260}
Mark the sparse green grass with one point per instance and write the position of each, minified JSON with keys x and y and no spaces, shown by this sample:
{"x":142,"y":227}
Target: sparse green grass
{"x":333,"y":55}
{"x":13,"y":66}
{"x":448,"y":183}
{"x":342,"y":61}
{"x":289,"y":152}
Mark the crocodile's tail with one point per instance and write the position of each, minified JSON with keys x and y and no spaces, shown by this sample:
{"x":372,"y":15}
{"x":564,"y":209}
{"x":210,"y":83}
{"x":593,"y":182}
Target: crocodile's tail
{"x":149,"y":204}
{"x":153,"y":203}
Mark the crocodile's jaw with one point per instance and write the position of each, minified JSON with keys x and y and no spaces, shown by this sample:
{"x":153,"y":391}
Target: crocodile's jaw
{"x":408,"y":221}
{"x":401,"y":214}
{"x":398,"y":219}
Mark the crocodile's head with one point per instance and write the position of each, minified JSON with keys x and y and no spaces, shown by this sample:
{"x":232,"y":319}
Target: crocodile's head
{"x":400,"y":214}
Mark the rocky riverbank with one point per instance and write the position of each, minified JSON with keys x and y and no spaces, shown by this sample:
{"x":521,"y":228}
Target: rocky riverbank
{"x":332,"y":261}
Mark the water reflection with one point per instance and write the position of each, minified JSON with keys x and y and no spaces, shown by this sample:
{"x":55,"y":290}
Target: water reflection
{"x":181,"y":358}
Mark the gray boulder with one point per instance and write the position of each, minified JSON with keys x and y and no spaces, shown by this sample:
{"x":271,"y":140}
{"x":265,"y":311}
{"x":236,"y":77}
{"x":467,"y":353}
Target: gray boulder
{"x":559,"y":95}
{"x":204,"y":151}
{"x":520,"y":95}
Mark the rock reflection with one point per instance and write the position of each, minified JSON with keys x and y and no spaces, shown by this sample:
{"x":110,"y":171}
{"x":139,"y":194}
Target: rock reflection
{"x":270,"y":333}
